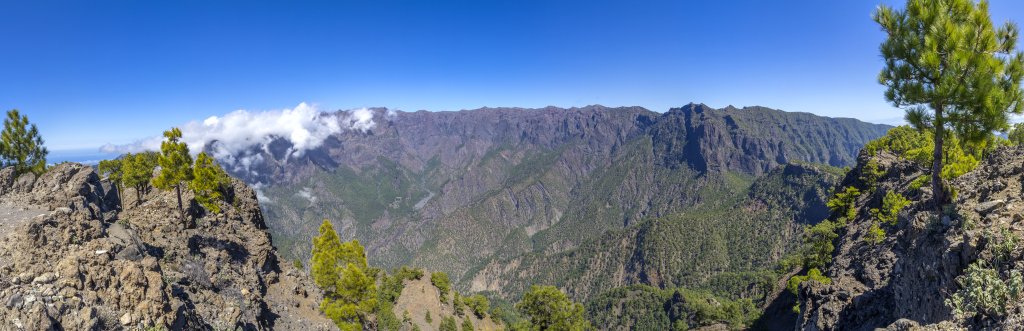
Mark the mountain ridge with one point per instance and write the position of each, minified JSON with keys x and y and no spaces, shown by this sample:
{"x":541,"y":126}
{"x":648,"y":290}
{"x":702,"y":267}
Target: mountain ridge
{"x":451,"y":190}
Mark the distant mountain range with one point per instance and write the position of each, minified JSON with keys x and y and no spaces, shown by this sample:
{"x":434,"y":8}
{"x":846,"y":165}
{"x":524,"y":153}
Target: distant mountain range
{"x":585,"y":198}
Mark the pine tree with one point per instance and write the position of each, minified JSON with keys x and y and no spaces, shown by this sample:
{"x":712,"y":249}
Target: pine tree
{"x":448,"y":324}
{"x":21,"y":146}
{"x":1016,"y":134}
{"x":176,"y":165}
{"x":138,"y":172}
{"x":208,"y":183}
{"x":340,"y":269}
{"x":950,"y":69}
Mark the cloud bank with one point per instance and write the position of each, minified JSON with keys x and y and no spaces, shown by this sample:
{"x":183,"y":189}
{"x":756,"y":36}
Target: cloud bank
{"x":232,"y":137}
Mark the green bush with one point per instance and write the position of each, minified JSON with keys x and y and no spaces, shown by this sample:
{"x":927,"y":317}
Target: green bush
{"x":547,"y":308}
{"x":904,"y":141}
{"x":478,"y":304}
{"x":920,"y":182}
{"x":793,"y":285}
{"x":875,"y":234}
{"x":457,"y":304}
{"x":844,"y":204}
{"x":442,"y":283}
{"x":984,"y":292}
{"x":917,"y":146}
{"x":448,"y":324}
{"x":467,"y":325}
{"x":870,"y":174}
{"x":391,"y":286}
{"x":892,"y":204}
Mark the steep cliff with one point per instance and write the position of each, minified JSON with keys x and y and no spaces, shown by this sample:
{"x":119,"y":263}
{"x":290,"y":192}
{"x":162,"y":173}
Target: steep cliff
{"x":70,"y":261}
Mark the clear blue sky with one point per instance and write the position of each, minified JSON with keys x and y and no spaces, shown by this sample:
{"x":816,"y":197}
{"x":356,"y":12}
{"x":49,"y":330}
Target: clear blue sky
{"x":93,"y":72}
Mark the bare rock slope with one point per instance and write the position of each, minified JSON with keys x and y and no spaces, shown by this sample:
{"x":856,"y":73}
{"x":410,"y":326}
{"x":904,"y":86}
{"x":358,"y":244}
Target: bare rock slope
{"x":905,"y":281}
{"x":70,"y":261}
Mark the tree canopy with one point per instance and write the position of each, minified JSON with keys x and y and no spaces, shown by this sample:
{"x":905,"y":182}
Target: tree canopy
{"x":340,"y":269}
{"x":21,"y":146}
{"x":547,"y":308}
{"x":208,"y":182}
{"x":175,"y":165}
{"x":951,"y":70}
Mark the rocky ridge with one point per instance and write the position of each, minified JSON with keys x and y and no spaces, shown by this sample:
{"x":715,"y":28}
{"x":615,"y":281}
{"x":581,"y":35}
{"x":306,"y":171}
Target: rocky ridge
{"x":70,"y":260}
{"x":904,"y":282}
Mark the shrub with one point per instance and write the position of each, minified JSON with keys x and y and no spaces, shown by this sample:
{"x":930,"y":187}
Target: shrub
{"x":984,"y":292}
{"x":875,"y":234}
{"x":547,"y":308}
{"x":870,"y":174}
{"x":892,"y":204}
{"x":920,"y":182}
{"x":448,"y":324}
{"x":428,"y":318}
{"x":467,"y":325}
{"x":793,"y":285}
{"x":814,"y":274}
{"x":442,"y":283}
{"x":478,"y":304}
{"x":904,"y":141}
{"x":1003,"y":249}
{"x":914,"y":145}
{"x":457,"y":304}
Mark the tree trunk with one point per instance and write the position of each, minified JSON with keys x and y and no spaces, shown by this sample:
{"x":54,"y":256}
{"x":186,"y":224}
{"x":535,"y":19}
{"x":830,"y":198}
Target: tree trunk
{"x":181,"y":211}
{"x":120,"y":198}
{"x":938,"y":192}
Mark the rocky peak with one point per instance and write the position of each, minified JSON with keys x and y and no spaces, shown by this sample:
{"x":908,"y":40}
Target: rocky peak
{"x":69,"y":260}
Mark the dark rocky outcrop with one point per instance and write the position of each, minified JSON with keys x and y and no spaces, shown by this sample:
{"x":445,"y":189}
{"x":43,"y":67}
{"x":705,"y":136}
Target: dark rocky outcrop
{"x":903,"y":282}
{"x":64,"y":267}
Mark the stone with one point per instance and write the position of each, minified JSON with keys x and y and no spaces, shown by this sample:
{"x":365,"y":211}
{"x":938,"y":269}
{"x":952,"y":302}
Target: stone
{"x":126,"y":319}
{"x":25,"y":277}
{"x":989,"y":206}
{"x":6,"y":180}
{"x":14,"y":301}
{"x":46,"y":278}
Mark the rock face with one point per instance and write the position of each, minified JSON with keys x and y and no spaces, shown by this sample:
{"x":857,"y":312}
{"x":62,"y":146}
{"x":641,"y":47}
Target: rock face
{"x":904,"y":282}
{"x":454,"y":191}
{"x":77,"y":264}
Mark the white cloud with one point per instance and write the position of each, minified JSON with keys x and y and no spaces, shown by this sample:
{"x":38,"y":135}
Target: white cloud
{"x":237,"y":133}
{"x":307,"y":193}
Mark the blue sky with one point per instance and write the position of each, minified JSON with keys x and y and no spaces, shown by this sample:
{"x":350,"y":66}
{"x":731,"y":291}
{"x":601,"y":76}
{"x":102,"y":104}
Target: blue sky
{"x":96,"y":72}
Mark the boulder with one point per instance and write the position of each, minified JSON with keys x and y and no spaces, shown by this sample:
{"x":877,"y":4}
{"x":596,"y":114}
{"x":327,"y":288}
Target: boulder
{"x":24,"y":183}
{"x":6,"y":180}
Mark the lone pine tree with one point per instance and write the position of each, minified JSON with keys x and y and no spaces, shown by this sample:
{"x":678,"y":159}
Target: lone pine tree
{"x":950,"y":69}
{"x":21,"y":146}
{"x":175,"y":165}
